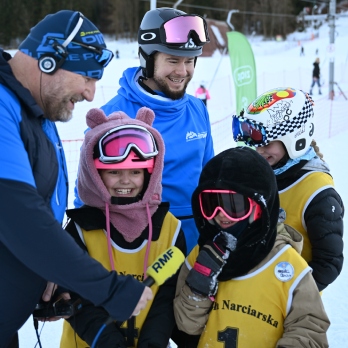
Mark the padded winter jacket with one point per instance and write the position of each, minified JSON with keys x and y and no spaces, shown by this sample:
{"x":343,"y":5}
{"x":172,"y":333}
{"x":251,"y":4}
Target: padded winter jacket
{"x":185,"y":127}
{"x":316,"y":70}
{"x":305,"y":323}
{"x":33,"y":246}
{"x":158,"y":325}
{"x":321,"y":219}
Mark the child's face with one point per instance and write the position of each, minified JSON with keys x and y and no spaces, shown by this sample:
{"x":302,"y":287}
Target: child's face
{"x":123,"y":182}
{"x":273,"y":152}
{"x":221,"y":219}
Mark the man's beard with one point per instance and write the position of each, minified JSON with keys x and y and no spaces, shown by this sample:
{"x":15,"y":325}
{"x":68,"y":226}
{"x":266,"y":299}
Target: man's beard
{"x":56,"y":107}
{"x":55,"y":103}
{"x":163,"y":87}
{"x":57,"y":111}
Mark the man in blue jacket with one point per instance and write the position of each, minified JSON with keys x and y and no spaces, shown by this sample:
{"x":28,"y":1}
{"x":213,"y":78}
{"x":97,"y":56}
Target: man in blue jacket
{"x":169,"y":43}
{"x":56,"y":66}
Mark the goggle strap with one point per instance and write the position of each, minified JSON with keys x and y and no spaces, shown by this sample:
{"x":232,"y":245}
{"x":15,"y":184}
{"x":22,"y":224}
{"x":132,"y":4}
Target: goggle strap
{"x":149,"y":36}
{"x":131,"y":147}
{"x":74,"y":32}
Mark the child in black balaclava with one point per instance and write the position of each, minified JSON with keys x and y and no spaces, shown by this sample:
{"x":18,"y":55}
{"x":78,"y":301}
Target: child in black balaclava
{"x":245,"y":284}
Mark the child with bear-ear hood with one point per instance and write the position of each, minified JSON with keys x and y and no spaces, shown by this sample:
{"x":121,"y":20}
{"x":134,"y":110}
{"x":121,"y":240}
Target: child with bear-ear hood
{"x":124,"y":225}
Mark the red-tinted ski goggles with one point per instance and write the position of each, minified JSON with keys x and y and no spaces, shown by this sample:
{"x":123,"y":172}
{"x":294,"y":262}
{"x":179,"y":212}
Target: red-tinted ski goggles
{"x":250,"y":133}
{"x":117,"y":143}
{"x":235,"y":206}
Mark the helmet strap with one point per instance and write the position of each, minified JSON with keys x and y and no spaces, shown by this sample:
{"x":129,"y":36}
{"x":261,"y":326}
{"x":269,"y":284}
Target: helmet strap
{"x":147,"y":63}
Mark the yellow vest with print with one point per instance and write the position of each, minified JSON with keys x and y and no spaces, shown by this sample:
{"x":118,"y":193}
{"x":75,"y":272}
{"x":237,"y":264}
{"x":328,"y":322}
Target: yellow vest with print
{"x":249,"y":311}
{"x":296,"y":198}
{"x":127,"y":262}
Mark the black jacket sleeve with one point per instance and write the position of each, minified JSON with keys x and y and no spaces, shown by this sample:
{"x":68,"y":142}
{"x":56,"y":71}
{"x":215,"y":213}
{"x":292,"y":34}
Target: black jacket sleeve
{"x":40,"y":243}
{"x":160,"y":321}
{"x":324,"y":221}
{"x":89,"y":321}
{"x":157,"y":327}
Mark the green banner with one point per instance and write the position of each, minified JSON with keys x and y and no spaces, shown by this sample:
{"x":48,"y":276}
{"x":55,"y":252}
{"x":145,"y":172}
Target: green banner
{"x":243,"y":69}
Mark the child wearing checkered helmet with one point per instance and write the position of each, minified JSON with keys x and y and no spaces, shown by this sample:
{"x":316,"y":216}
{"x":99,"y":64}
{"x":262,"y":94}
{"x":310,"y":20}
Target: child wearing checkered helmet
{"x":280,"y":125}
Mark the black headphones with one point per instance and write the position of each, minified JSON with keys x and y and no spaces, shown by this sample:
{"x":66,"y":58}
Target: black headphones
{"x":49,"y":63}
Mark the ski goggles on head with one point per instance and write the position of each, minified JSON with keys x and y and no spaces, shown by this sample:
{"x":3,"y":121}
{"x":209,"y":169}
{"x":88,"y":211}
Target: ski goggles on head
{"x":103,"y":56}
{"x":178,"y":30}
{"x":235,"y":206}
{"x":250,"y":133}
{"x":117,"y":143}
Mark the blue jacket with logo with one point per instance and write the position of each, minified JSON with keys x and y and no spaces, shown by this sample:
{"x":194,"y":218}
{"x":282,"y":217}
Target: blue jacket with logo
{"x":185,"y":127}
{"x":33,"y":194}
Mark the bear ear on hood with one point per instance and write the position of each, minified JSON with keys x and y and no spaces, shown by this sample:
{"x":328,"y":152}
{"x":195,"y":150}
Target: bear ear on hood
{"x":145,"y":115}
{"x":96,"y":116}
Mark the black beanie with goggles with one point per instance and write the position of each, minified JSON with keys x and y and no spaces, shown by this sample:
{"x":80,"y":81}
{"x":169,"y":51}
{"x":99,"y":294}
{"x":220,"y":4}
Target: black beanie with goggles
{"x":67,"y":40}
{"x":244,"y":171}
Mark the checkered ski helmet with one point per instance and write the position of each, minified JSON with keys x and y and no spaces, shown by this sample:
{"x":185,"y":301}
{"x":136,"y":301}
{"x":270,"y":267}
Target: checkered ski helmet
{"x":287,"y":115}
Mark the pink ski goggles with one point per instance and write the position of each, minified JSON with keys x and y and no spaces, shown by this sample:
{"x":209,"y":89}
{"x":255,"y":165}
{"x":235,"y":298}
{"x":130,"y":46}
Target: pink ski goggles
{"x":233,"y":205}
{"x":117,"y":143}
{"x":178,"y":30}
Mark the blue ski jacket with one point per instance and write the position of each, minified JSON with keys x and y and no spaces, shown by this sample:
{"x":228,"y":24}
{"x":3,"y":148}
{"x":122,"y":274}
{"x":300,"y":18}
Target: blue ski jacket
{"x":33,"y":246}
{"x":185,"y":127}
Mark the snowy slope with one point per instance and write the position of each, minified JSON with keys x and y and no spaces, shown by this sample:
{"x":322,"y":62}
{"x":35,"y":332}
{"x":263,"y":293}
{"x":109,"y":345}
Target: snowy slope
{"x":278,"y":64}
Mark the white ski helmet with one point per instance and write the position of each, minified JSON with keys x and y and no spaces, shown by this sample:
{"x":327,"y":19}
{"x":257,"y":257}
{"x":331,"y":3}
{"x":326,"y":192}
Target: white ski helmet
{"x":170,"y":31}
{"x":285,"y":114}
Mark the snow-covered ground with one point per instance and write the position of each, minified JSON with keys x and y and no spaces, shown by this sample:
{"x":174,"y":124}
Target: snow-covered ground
{"x":278,"y":64}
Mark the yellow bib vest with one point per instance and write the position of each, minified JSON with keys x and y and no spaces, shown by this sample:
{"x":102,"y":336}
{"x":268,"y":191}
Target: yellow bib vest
{"x":127,"y":262}
{"x":249,"y":311}
{"x":295,"y":200}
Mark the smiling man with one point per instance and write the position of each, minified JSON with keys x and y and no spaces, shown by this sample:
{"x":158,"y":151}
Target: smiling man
{"x":169,"y":43}
{"x":57,"y":65}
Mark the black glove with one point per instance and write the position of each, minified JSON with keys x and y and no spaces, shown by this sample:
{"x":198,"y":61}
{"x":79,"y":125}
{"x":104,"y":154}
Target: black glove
{"x":202,"y":278}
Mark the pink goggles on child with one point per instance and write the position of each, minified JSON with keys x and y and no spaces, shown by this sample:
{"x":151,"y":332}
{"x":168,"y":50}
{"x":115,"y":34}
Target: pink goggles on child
{"x":233,"y":205}
{"x":118,"y":142}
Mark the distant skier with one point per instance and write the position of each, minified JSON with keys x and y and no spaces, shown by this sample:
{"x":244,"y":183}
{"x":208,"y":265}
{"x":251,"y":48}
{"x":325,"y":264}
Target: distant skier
{"x":316,"y":76}
{"x":202,"y":93}
{"x":302,"y":51}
